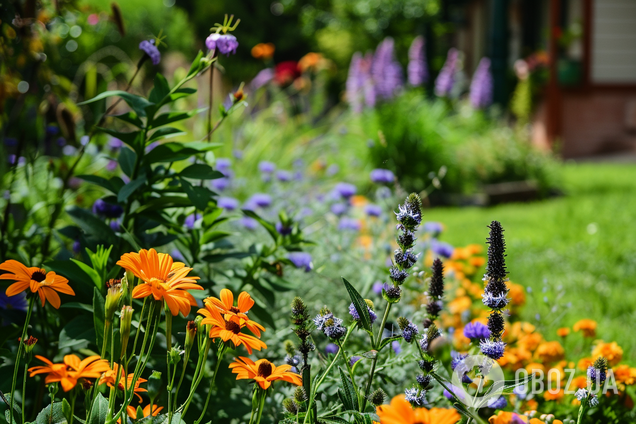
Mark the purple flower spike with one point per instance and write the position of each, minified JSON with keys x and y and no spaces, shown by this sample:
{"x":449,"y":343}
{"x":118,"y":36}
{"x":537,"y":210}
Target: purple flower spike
{"x":224,"y":43}
{"x":301,"y":260}
{"x":355,"y":81}
{"x":481,"y":85}
{"x":446,"y":78}
{"x":417,"y":72}
{"x":149,"y":48}
{"x":386,"y":71}
{"x":382,"y":176}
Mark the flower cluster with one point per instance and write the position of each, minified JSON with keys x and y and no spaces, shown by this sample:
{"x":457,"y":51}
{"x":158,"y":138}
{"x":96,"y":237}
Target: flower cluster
{"x":330,"y":325}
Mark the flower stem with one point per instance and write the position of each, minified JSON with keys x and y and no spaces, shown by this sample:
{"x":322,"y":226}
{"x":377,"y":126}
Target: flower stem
{"x":363,"y":405}
{"x":261,"y":406}
{"x":196,"y":379}
{"x":216,"y":371}
{"x":24,"y":378}
{"x":18,"y":357}
{"x":169,"y":348}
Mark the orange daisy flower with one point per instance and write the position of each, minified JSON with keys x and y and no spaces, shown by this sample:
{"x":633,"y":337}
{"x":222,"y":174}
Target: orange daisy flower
{"x":163,"y":278}
{"x":46,"y":285}
{"x":132,"y":411}
{"x":229,"y":329}
{"x":401,"y":412}
{"x":263,"y":372}
{"x":117,"y":373}
{"x":225,"y":305}
{"x":71,"y":370}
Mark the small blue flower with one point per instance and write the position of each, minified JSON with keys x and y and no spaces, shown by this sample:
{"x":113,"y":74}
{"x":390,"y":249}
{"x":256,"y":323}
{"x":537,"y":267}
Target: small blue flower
{"x":494,"y":302}
{"x":283,"y":176}
{"x":227,"y":203}
{"x":354,"y":313}
{"x":261,"y":200}
{"x":581,"y":394}
{"x":492,"y":349}
{"x":248,"y":223}
{"x":442,"y":249}
{"x":349,"y":224}
{"x":107,"y":210}
{"x":338,"y":208}
{"x":497,"y":403}
{"x":335,"y":331}
{"x":149,"y":48}
{"x":373,"y":210}
{"x":424,"y":343}
{"x":377,"y":288}
{"x":292,"y":360}
{"x":353,"y":360}
{"x":266,"y":167}
{"x":382,"y":176}
{"x":593,"y":374}
{"x":409,"y":332}
{"x":17,"y":302}
{"x":224,"y":43}
{"x":398,"y":275}
{"x":331,"y":348}
{"x":407,"y":217}
{"x":301,"y":260}
{"x":220,"y":184}
{"x":476,"y":331}
{"x":405,"y":259}
{"x":415,"y":398}
{"x":395,"y":345}
{"x":345,"y":190}
{"x":190,"y":220}
{"x":434,"y":228}
{"x":521,"y":391}
{"x":456,"y":391}
{"x":223,"y":165}
{"x":283,"y":230}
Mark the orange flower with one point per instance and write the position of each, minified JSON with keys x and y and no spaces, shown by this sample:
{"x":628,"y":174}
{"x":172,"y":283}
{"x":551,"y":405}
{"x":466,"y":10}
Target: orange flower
{"x":585,"y":363}
{"x":579,"y":382}
{"x":511,"y":418}
{"x":517,"y":294}
{"x":225,"y":305}
{"x":132,"y":411}
{"x":72,"y":370}
{"x":401,"y":412}
{"x":562,"y":332}
{"x":534,"y":367}
{"x":611,"y":351}
{"x":263,"y":372}
{"x":625,"y":375}
{"x":550,"y":351}
{"x":263,"y":51}
{"x":163,"y":278}
{"x":587,"y":326}
{"x":110,"y":376}
{"x":459,"y":305}
{"x":309,"y":61}
{"x":46,"y":285}
{"x":554,"y":395}
{"x":229,"y":329}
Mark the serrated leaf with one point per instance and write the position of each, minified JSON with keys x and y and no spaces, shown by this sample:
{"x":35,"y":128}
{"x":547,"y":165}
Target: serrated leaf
{"x":360,"y":305}
{"x":130,"y":188}
{"x":200,"y":171}
{"x":347,"y":393}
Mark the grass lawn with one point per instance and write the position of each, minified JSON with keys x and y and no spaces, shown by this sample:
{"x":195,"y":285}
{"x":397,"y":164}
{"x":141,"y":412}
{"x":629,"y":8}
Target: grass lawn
{"x":578,"y":249}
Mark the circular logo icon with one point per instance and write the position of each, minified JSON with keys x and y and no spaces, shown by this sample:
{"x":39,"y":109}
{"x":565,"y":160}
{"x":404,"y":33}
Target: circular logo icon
{"x":477,"y":379}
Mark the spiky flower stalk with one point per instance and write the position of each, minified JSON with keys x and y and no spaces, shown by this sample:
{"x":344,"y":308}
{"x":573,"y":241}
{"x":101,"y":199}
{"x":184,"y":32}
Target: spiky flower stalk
{"x":496,"y":292}
{"x":435,"y":291}
{"x":301,"y":323}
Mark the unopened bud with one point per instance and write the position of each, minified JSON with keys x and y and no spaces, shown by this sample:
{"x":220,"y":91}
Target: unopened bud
{"x":154,"y":385}
{"x":125,"y":320}
{"x":191,"y":334}
{"x":112,"y":301}
{"x":290,"y":406}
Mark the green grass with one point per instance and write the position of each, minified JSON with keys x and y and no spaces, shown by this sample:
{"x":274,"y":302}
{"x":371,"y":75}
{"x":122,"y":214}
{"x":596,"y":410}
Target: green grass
{"x":578,"y":248}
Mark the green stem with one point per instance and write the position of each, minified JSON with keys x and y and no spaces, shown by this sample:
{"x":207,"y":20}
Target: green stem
{"x":73,"y":396}
{"x":24,"y":379}
{"x":186,"y":359}
{"x":363,"y":405}
{"x":196,"y":379}
{"x":579,"y":419}
{"x":350,"y":370}
{"x":107,"y":326}
{"x":18,"y":357}
{"x":261,"y":406}
{"x":169,"y":346}
{"x":219,"y":358}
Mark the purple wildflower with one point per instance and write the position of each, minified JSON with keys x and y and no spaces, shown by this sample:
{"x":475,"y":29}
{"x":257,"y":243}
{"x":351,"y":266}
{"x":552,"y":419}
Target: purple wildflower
{"x":220,"y":184}
{"x":115,"y":225}
{"x":481,"y":85}
{"x":382,"y":176}
{"x":283,"y":176}
{"x":353,"y":360}
{"x":224,"y":43}
{"x":223,"y":165}
{"x":248,"y":223}
{"x":77,"y":245}
{"x":377,"y":287}
{"x":446,"y":78}
{"x":417,"y":72}
{"x":190,"y":220}
{"x":492,"y":349}
{"x":261,"y":200}
{"x":227,"y":203}
{"x":373,"y":210}
{"x":263,"y":77}
{"x":349,"y":224}
{"x":149,"y":48}
{"x":442,"y":249}
{"x":355,"y":81}
{"x":354,"y":313}
{"x":301,"y":260}
{"x":115,"y":143}
{"x":107,"y":210}
{"x":331,"y":348}
{"x":17,"y":302}
{"x":434,"y":228}
{"x":345,"y":190}
{"x":476,"y":331}
{"x":266,"y":167}
{"x":283,"y":230}
{"x":386,"y":71}
{"x":497,"y":403}
{"x":395,"y":345}
{"x":338,"y":208}
{"x":111,"y":165}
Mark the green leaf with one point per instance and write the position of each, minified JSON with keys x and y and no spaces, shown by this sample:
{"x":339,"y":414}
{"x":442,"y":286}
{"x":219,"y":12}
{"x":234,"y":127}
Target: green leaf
{"x":137,"y":103}
{"x":100,"y":181}
{"x":271,"y":229}
{"x":77,"y":305}
{"x":219,"y":257}
{"x":170,"y":117}
{"x":163,"y":202}
{"x":200,"y":171}
{"x":160,"y":90}
{"x":180,"y":93}
{"x":388,"y":340}
{"x":92,"y":225}
{"x":196,"y":64}
{"x":213,"y":235}
{"x":130,"y":117}
{"x":130,"y":188}
{"x":127,"y":159}
{"x":167,"y":132}
{"x":175,"y":151}
{"x":76,"y":334}
{"x":360,"y":305}
{"x":99,"y":410}
{"x":199,"y":196}
{"x":47,"y":417}
{"x":347,"y":393}
{"x":94,"y":275}
{"x":99,"y":316}
{"x":130,"y":138}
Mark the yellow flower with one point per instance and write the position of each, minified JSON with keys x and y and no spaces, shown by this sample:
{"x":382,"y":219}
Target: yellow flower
{"x":517,"y":294}
{"x":611,"y":351}
{"x":550,"y":351}
{"x":310,"y":61}
{"x":585,"y":363}
{"x":587,"y":326}
{"x":535,"y":367}
{"x":579,"y":382}
{"x":263,"y":372}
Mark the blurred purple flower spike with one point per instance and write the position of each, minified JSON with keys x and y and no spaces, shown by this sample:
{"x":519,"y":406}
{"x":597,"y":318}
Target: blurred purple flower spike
{"x":481,"y":85}
{"x":446,"y":78}
{"x":417,"y":71}
{"x":149,"y":48}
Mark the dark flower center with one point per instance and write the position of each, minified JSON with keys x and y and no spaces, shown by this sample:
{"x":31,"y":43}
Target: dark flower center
{"x":39,"y":275}
{"x":265,"y":369}
{"x":233,"y":327}
{"x":235,"y":309}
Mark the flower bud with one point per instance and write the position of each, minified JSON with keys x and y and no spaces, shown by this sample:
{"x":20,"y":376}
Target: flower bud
{"x":300,"y":395}
{"x":191,"y":333}
{"x":378,"y":397}
{"x":175,"y":355}
{"x":125,"y":319}
{"x":154,"y":385}
{"x":290,"y":406}
{"x":112,"y":301}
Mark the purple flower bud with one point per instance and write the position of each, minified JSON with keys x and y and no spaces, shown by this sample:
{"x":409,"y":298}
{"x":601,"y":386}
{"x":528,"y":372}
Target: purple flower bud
{"x":377,"y":287}
{"x":115,"y":143}
{"x":345,"y":190}
{"x":260,"y":200}
{"x":283,"y":230}
{"x":373,"y":210}
{"x":446,"y":78}
{"x":382,"y":176}
{"x":481,"y":86}
{"x":224,"y":43}
{"x":220,"y":184}
{"x":107,"y":210}
{"x":353,"y":360}
{"x":386,"y":71}
{"x":77,"y":245}
{"x":266,"y":167}
{"x":476,"y":331}
{"x":301,"y":260}
{"x":149,"y":48}
{"x":331,"y":348}
{"x":227,"y":203}
{"x":111,"y":165}
{"x":283,"y":176}
{"x":435,"y":228}
{"x":442,"y":249}
{"x":417,"y":72}
{"x":115,"y":225}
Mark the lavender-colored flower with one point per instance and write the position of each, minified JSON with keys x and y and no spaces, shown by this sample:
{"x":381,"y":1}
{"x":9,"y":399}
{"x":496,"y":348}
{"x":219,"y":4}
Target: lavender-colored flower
{"x":424,"y":343}
{"x":248,"y":223}
{"x":338,"y":208}
{"x":377,"y":287}
{"x":594,"y":373}
{"x":446,"y":78}
{"x":220,"y":184}
{"x":456,"y":391}
{"x":17,"y":302}
{"x":434,"y":228}
{"x":494,"y":302}
{"x":382,"y":176}
{"x":355,"y":82}
{"x":345,"y":190}
{"x":335,"y":331}
{"x":149,"y":48}
{"x":354,"y":313}
{"x":107,"y":210}
{"x":111,"y":165}
{"x":301,"y":260}
{"x":417,"y":71}
{"x":61,"y":141}
{"x":77,"y":246}
{"x":266,"y":167}
{"x":282,"y":229}
{"x":368,"y":85}
{"x":292,"y":360}
{"x":261,"y":200}
{"x":521,"y":391}
{"x":476,"y":331}
{"x":398,"y":275}
{"x":492,"y":349}
{"x":409,"y":332}
{"x":353,"y":360}
{"x":405,"y":259}
{"x":373,"y":210}
{"x":115,"y":225}
{"x":395,"y":345}
{"x":284,"y":176}
{"x":415,"y":398}
{"x":481,"y":86}
{"x":224,"y":43}
{"x":190,"y":220}
{"x":442,"y":249}
{"x":263,"y":77}
{"x":115,"y":143}
{"x":497,"y":403}
{"x":10,"y":141}
{"x":227,"y":203}
{"x":407,"y":217}
{"x":349,"y":224}
{"x":386,"y":71}
{"x":223,"y":165}
{"x":151,"y":146}
{"x":332,"y":348}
